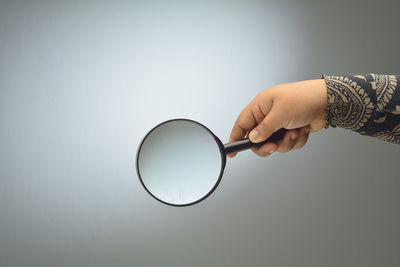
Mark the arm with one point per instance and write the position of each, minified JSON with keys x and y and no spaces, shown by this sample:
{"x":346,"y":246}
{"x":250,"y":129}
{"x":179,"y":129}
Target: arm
{"x":368,"y":104}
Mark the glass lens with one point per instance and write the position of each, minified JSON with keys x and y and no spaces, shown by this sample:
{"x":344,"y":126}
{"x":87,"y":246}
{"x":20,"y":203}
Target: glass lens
{"x":179,"y":162}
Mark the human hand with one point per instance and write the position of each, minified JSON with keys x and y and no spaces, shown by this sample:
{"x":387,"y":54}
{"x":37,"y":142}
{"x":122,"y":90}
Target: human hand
{"x":299,"y":107}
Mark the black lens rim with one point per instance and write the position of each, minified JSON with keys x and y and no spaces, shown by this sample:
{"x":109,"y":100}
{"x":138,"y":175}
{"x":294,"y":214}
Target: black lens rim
{"x":223,"y":162}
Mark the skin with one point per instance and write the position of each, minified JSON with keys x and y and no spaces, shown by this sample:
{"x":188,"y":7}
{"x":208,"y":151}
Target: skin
{"x":299,"y":107}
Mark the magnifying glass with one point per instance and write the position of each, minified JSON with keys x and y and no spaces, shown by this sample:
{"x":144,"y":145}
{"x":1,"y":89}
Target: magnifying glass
{"x":180,"y":162}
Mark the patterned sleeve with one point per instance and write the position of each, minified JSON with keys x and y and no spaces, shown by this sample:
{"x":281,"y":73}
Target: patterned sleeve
{"x":368,"y":104}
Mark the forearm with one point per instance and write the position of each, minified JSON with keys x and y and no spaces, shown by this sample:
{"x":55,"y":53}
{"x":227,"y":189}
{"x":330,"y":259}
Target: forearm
{"x":368,"y":104}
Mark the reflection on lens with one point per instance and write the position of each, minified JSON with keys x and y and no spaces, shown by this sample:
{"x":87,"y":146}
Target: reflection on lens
{"x":179,"y":162}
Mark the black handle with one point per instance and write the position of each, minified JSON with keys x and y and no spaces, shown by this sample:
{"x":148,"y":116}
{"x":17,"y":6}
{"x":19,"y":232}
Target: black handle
{"x":245,"y":144}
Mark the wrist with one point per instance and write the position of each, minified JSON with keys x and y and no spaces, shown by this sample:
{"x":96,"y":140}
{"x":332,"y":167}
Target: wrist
{"x":320,"y":121}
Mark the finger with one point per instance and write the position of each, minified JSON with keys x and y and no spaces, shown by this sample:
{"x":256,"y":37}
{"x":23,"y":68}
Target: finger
{"x":304,"y":132}
{"x":265,"y":150}
{"x":251,"y":116}
{"x":288,"y":141}
{"x":243,"y":124}
{"x":231,"y":155}
{"x":258,"y":113}
{"x":270,"y":124}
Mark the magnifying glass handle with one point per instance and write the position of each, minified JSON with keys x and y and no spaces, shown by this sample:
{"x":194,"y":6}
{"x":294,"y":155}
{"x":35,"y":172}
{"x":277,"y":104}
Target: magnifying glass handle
{"x":245,"y":144}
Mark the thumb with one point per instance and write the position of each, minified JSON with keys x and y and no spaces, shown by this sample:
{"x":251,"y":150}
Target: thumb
{"x":270,"y":124}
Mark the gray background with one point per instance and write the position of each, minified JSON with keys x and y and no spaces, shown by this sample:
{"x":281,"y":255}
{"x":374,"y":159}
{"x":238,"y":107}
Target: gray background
{"x":81,"y":82}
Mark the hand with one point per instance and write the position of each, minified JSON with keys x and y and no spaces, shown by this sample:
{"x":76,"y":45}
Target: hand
{"x":299,"y":107}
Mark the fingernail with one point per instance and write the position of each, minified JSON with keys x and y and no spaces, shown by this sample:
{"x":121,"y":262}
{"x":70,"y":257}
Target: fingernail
{"x":307,"y":130}
{"x":293,"y":137}
{"x":254,"y":136}
{"x":271,"y":151}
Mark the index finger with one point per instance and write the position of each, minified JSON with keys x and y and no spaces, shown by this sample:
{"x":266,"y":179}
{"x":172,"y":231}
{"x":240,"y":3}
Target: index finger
{"x":243,"y":124}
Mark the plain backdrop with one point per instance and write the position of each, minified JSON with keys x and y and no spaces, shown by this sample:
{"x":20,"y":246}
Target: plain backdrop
{"x":81,"y":82}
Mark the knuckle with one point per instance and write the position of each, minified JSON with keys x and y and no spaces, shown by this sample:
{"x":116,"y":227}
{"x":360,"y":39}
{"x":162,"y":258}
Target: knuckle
{"x":285,"y":148}
{"x":298,"y":146}
{"x":260,"y":94}
{"x":259,"y":152}
{"x":292,"y":145}
{"x":301,"y":145}
{"x":282,"y":149}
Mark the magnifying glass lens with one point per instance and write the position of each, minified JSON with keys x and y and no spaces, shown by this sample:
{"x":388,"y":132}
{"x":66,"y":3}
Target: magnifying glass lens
{"x":180,"y":162}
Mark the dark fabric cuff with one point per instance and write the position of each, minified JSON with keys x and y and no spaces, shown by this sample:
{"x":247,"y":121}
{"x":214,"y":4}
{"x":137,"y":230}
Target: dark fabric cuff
{"x":368,"y":104}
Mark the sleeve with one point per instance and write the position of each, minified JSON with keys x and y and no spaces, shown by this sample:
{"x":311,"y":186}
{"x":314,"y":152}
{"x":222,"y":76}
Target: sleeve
{"x":368,"y":104}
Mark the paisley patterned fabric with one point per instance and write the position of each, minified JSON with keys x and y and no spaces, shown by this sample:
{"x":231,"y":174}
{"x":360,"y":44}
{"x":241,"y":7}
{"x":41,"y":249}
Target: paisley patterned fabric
{"x":368,"y":104}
